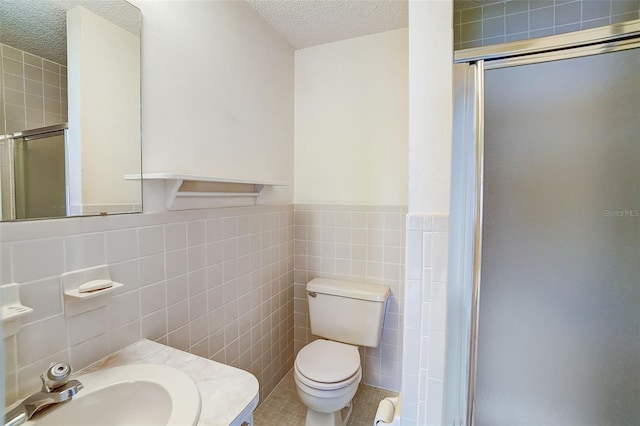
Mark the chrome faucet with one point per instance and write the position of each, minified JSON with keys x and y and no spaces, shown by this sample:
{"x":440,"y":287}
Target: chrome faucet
{"x":56,"y":388}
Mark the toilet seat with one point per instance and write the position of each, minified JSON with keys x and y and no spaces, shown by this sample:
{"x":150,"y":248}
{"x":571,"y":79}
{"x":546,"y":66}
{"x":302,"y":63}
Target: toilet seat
{"x":327,"y":365}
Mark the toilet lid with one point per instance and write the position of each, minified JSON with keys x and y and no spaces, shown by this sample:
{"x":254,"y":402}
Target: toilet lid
{"x":325,"y":361}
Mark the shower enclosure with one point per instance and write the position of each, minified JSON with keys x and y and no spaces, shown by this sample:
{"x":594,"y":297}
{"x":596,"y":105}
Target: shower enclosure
{"x":544,"y":298}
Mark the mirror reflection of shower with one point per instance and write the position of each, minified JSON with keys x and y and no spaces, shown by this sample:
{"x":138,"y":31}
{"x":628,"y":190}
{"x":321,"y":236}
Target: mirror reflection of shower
{"x":34,"y":178}
{"x":75,"y":62}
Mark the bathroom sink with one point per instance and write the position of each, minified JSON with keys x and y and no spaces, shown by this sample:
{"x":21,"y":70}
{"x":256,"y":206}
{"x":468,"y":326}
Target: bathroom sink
{"x":142,"y":394}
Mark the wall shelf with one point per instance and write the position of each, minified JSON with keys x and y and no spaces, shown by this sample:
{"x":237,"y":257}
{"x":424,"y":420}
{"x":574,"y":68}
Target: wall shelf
{"x":186,"y":192}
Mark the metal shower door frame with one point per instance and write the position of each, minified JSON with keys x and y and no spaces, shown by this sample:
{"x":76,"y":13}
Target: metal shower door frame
{"x":465,"y":247}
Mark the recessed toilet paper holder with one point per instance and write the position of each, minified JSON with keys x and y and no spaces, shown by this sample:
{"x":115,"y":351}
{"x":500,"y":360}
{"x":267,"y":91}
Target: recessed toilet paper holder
{"x":388,"y":412}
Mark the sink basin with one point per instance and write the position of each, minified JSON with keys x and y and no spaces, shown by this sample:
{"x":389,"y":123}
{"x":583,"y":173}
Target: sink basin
{"x":143,"y":394}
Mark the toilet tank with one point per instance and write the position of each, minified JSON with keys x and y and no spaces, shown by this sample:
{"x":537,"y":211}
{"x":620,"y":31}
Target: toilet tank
{"x":347,"y":311}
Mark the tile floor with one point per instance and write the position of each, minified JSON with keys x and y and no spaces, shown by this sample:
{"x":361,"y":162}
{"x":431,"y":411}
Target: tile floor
{"x":283,"y":407}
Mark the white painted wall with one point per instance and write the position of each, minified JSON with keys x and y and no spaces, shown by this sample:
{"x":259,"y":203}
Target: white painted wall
{"x":104,"y":112}
{"x":352,"y":121}
{"x":430,"y":105}
{"x":430,"y":132}
{"x":217,"y":93}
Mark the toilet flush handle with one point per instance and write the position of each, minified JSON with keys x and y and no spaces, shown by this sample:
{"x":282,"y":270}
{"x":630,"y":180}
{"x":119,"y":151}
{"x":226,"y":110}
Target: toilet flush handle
{"x":313,"y":294}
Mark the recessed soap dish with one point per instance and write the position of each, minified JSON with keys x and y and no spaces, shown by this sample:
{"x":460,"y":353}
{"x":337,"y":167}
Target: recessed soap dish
{"x":13,"y":312}
{"x":95,"y":285}
{"x":82,"y":294}
{"x":87,"y":284}
{"x":12,"y":309}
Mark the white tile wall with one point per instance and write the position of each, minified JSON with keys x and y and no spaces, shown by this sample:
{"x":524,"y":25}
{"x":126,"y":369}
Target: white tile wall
{"x":425,"y":307}
{"x":357,"y":243}
{"x":218,"y":283}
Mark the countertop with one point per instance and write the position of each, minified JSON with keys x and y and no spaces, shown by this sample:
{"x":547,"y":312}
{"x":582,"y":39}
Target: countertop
{"x":229,"y":395}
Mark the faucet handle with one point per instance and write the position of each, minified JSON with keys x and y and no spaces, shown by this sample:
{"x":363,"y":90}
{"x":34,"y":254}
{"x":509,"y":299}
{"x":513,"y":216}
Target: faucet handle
{"x":56,"y":375}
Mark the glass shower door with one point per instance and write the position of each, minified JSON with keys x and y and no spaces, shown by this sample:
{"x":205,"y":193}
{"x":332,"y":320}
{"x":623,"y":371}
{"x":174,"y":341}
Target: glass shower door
{"x":559,"y":314}
{"x":40,"y":176}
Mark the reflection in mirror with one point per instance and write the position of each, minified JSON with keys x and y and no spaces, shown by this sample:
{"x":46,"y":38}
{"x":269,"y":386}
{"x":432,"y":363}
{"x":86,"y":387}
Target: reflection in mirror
{"x":69,"y":108}
{"x":39,"y":173}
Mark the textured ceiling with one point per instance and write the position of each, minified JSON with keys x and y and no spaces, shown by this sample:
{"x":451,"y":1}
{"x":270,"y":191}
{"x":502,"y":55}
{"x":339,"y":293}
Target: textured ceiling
{"x":38,"y":26}
{"x":305,"y":23}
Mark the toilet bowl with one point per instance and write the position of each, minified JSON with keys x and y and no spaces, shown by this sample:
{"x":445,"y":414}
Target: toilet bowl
{"x":327,"y":371}
{"x":327,"y":375}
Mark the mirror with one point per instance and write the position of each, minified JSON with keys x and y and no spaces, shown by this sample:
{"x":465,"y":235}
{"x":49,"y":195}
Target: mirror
{"x":69,"y":108}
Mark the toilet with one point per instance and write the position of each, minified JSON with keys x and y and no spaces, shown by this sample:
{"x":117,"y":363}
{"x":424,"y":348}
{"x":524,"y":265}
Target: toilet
{"x":327,"y":371}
